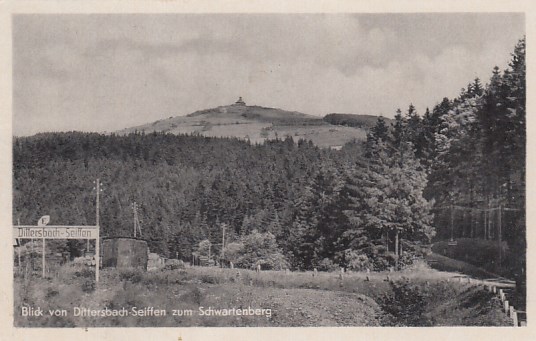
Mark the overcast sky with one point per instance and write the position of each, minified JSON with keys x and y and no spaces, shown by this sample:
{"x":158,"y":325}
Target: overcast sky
{"x":108,"y":72}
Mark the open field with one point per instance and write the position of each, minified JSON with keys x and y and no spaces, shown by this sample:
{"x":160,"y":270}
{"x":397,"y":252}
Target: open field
{"x":256,"y":124}
{"x":417,"y":297}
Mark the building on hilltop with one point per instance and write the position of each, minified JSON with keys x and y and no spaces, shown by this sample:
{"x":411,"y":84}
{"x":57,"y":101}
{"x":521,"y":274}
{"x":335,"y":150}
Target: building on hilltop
{"x":240,"y":102}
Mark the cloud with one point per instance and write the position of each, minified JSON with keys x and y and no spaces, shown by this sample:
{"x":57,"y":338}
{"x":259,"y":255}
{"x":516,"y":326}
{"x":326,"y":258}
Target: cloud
{"x":107,"y":72}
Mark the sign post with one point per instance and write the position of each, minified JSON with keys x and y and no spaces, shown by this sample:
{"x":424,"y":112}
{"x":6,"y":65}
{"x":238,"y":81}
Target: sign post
{"x":97,"y":255}
{"x":43,"y":221}
{"x":43,"y":258}
{"x":59,"y":232}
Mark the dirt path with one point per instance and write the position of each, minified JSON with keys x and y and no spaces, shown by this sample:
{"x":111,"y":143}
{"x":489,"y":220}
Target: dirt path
{"x":304,"y":307}
{"x":443,"y":263}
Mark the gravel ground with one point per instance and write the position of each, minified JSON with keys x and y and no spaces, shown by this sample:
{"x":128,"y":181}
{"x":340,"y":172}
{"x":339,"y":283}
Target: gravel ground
{"x":301,"y":307}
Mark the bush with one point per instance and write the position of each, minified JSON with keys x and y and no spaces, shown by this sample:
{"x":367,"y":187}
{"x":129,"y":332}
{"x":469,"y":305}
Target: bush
{"x":84,"y":272}
{"x":132,"y":275}
{"x":174,"y":264}
{"x":357,"y":261}
{"x":257,"y":249}
{"x":376,"y":257}
{"x":88,"y":286}
{"x":327,"y":264}
{"x":406,"y":303}
{"x":210,"y":279}
{"x":373,"y":257}
{"x":51,"y":293}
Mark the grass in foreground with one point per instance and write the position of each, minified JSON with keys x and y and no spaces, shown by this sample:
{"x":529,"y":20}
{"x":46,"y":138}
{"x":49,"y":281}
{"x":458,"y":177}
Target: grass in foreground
{"x":415,"y":297}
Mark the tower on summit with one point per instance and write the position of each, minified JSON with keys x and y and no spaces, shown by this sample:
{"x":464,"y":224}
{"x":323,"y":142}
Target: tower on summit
{"x":240,"y":102}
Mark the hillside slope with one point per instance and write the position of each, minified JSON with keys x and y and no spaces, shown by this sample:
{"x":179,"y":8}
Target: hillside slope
{"x":256,"y":124}
{"x":354,"y":120}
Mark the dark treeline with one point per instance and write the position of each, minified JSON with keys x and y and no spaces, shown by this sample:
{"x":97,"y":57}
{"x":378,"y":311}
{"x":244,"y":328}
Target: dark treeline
{"x":186,"y":186}
{"x":473,"y":150}
{"x":369,"y":205}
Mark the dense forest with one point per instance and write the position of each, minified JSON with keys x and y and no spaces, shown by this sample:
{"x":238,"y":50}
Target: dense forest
{"x":373,"y":204}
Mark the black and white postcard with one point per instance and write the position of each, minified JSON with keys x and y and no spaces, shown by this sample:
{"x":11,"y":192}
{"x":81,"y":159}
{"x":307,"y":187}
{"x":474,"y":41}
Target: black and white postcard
{"x":250,"y":172}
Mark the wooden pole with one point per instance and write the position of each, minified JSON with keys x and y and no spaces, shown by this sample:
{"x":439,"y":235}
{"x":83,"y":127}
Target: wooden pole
{"x":463,"y":223}
{"x":485,"y":225}
{"x":490,"y":224}
{"x":472,"y":232}
{"x":97,"y":240}
{"x":499,"y":237}
{"x":97,"y":255}
{"x":20,"y":244}
{"x":134,"y":217}
{"x":43,"y":258}
{"x":396,"y":248}
{"x":97,"y":215}
{"x":223,"y":242}
{"x":451,"y":222}
{"x":32,"y":255}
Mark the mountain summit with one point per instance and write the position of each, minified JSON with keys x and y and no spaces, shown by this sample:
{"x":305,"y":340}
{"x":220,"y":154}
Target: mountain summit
{"x":254,"y":123}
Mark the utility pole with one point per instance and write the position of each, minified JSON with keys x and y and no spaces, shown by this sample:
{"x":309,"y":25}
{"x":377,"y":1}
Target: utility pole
{"x":223,"y":242}
{"x":209,"y":245}
{"x":499,"y":227}
{"x":451,"y":223}
{"x":97,"y":240}
{"x":97,"y":215}
{"x":20,"y":244}
{"x":134,"y":217}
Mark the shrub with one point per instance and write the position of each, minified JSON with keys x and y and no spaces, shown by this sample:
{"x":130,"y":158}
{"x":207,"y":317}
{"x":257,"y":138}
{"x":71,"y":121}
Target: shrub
{"x":406,"y":303}
{"x":84,"y":272}
{"x":51,"y":293}
{"x":327,"y":264}
{"x":259,"y":249}
{"x":206,"y":278}
{"x":88,"y":286}
{"x":132,"y":275}
{"x":197,"y":295}
{"x":357,"y":261}
{"x":174,"y":264}
{"x":203,"y":247}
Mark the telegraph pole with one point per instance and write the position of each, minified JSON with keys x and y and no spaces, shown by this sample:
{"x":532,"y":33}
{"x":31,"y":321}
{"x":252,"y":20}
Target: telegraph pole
{"x":97,"y":240}
{"x":499,"y":227}
{"x":134,"y":217}
{"x":20,"y":244}
{"x":223,"y":242}
{"x":97,"y":215}
{"x":451,"y":223}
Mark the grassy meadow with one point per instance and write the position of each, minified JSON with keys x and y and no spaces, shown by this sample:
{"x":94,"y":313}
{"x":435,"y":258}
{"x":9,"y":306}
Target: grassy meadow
{"x":415,"y":297}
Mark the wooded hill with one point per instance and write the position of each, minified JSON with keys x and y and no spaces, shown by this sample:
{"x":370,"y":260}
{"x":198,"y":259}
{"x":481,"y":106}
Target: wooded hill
{"x":368,"y":205}
{"x":255,"y":124}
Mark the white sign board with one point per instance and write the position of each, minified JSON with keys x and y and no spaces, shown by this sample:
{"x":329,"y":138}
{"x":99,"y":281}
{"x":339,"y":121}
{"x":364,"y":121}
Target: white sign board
{"x":56,"y":232}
